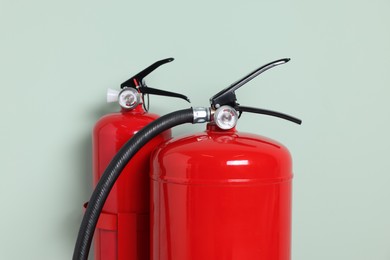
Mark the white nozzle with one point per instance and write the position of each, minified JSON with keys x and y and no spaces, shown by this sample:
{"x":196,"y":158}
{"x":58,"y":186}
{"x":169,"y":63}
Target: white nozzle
{"x":112,"y":95}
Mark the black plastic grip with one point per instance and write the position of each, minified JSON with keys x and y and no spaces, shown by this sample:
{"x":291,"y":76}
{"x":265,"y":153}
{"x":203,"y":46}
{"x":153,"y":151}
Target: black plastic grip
{"x":269,"y":113}
{"x":137,"y":78}
{"x":227,"y":95}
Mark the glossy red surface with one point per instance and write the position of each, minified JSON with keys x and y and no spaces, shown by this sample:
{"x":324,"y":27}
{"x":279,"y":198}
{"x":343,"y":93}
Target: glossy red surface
{"x":123,"y":228}
{"x":221,"y":195}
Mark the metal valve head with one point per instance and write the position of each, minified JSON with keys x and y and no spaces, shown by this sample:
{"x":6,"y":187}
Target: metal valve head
{"x":134,"y":89}
{"x":138,"y":82}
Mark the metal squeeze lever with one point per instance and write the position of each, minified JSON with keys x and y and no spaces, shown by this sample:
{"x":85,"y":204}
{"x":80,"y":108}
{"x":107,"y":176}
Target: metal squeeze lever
{"x":227,"y":96}
{"x":138,"y":82}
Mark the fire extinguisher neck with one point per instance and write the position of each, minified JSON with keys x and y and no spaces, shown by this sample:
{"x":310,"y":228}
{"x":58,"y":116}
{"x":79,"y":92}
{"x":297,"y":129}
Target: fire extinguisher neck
{"x":212,"y":127}
{"x":137,"y":110}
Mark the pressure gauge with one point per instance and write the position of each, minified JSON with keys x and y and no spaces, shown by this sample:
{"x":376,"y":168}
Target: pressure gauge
{"x":225,"y":117}
{"x":129,"y":98}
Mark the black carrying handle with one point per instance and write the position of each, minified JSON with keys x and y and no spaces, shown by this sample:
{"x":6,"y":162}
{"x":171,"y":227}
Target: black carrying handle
{"x":227,"y":96}
{"x":147,"y":90}
{"x":137,"y":79}
{"x":138,"y":82}
{"x":269,"y":113}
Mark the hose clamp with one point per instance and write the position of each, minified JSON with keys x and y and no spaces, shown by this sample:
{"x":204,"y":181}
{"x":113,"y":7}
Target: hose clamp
{"x":201,"y":114}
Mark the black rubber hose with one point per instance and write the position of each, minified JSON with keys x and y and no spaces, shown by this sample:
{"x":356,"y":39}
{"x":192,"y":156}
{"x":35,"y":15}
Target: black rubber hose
{"x":110,"y":175}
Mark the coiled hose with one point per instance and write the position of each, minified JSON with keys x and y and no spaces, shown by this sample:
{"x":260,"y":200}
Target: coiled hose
{"x":113,"y":170}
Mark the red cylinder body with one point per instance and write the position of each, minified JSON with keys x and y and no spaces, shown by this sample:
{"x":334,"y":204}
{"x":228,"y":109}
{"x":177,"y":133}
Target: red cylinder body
{"x":221,"y":195}
{"x":123,"y":228}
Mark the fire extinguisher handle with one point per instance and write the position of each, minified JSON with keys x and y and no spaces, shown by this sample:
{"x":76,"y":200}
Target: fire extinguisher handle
{"x":269,"y":113}
{"x":227,"y":95}
{"x":147,"y":90}
{"x":138,"y":82}
{"x":137,"y":78}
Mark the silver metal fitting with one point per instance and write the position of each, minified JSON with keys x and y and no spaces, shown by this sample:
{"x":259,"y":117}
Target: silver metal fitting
{"x":225,"y":117}
{"x":129,"y":98}
{"x":201,"y":114}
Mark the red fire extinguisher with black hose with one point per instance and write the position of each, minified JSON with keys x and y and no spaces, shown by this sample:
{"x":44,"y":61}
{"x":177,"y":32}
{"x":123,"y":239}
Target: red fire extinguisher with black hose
{"x":220,"y":194}
{"x":123,"y":227}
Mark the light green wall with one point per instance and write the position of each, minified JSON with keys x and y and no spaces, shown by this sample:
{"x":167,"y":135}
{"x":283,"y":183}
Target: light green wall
{"x":58,"y":57}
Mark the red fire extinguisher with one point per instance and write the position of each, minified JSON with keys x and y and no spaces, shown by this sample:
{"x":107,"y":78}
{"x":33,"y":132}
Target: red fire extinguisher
{"x":123,"y":227}
{"x":220,"y":194}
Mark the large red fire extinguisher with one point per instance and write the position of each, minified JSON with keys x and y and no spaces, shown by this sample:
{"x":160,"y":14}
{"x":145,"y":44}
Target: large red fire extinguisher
{"x":123,"y":227}
{"x":220,"y":194}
